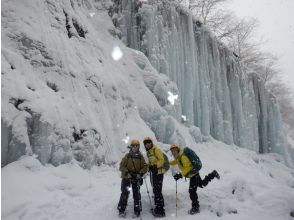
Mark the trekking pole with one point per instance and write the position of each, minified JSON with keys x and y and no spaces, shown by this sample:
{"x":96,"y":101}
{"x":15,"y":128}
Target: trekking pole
{"x":148,"y":194}
{"x":151,"y":178}
{"x":151,"y":182}
{"x":176,"y":198}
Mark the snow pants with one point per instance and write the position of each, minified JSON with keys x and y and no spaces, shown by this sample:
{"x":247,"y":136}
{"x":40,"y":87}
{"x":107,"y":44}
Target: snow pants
{"x":125,"y":191}
{"x":156,"y":182}
{"x":195,"y":182}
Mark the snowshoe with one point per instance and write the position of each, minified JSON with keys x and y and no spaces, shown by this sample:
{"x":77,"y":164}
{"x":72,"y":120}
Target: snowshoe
{"x":193,"y":211}
{"x":216,"y":174}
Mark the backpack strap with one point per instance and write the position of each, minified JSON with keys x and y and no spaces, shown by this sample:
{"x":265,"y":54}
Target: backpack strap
{"x":192,"y":171}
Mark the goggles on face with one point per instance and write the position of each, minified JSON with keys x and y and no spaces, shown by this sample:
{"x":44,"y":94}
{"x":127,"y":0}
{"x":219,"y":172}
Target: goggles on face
{"x":135,"y":145}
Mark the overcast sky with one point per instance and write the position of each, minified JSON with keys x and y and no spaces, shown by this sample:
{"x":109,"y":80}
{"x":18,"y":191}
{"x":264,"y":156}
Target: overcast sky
{"x":276,"y":19}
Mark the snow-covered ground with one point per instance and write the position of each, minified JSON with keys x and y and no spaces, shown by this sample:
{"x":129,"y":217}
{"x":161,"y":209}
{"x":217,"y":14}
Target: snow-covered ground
{"x":68,"y":101}
{"x":252,"y":186}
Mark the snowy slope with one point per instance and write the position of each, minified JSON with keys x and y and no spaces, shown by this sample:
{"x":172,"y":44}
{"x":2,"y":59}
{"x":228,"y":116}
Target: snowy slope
{"x":251,"y":187}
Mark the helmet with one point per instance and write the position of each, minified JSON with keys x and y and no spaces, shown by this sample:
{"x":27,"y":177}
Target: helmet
{"x":135,"y":142}
{"x":174,"y":146}
{"x":147,"y":139}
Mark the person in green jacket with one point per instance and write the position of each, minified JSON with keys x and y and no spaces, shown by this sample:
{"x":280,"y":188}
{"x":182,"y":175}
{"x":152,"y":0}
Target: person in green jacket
{"x":156,"y":162}
{"x":132,"y":167}
{"x":187,"y":170}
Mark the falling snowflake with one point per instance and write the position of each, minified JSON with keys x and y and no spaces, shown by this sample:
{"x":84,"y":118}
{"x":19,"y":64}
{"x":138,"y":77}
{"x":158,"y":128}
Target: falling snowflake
{"x":129,"y":188}
{"x":126,"y":140}
{"x":118,"y":125}
{"x":92,"y":14}
{"x":171,"y":97}
{"x":116,"y":53}
{"x":184,"y":117}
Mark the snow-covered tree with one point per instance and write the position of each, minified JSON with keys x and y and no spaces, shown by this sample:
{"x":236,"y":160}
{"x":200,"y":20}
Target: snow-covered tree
{"x":284,"y":98}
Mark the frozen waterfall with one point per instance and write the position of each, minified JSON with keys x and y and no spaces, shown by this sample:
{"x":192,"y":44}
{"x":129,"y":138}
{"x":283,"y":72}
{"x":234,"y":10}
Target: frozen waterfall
{"x":216,"y":95}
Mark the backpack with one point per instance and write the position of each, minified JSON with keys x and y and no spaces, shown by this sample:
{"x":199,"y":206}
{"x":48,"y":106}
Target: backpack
{"x":194,"y":159}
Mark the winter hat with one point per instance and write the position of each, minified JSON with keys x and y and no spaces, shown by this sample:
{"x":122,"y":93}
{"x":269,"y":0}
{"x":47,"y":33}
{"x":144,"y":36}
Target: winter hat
{"x":147,"y":140}
{"x":135,"y":142}
{"x":174,"y":146}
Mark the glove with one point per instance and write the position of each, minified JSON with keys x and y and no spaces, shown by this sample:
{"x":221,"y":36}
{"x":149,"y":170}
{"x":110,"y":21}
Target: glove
{"x":138,"y":176}
{"x":153,"y":169}
{"x":178,"y":176}
{"x":134,"y":175}
{"x":131,"y":175}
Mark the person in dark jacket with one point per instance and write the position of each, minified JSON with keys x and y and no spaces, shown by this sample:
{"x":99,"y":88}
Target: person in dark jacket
{"x":186,"y":168}
{"x":156,"y":162}
{"x":132,"y":167}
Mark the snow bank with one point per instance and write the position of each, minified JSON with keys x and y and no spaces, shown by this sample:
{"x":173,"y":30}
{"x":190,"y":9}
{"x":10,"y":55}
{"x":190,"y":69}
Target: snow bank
{"x":252,"y":186}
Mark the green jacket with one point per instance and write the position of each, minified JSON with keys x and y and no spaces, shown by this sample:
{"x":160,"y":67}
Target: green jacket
{"x":155,"y":157}
{"x":132,"y":163}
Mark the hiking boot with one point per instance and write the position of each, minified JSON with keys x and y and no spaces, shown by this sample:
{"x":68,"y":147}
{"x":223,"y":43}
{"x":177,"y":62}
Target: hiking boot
{"x":193,"y":211}
{"x":158,"y":213}
{"x":215,"y":173}
{"x":137,"y":213}
{"x":122,"y":214}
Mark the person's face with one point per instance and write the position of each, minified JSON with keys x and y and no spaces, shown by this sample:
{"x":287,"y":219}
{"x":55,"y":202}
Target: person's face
{"x":148,"y":145}
{"x":175,"y":152}
{"x":135,"y":147}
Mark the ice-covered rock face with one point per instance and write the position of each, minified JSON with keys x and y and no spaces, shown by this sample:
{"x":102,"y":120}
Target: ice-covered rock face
{"x":216,"y":95}
{"x":67,"y":94}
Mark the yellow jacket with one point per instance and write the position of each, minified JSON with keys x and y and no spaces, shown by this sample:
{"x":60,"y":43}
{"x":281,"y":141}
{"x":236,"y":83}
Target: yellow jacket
{"x":155,"y":157}
{"x":184,"y":164}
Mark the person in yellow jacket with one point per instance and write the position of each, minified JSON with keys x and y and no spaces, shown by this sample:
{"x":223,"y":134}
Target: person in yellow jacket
{"x":132,"y":167}
{"x":156,"y":169}
{"x":187,"y":170}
